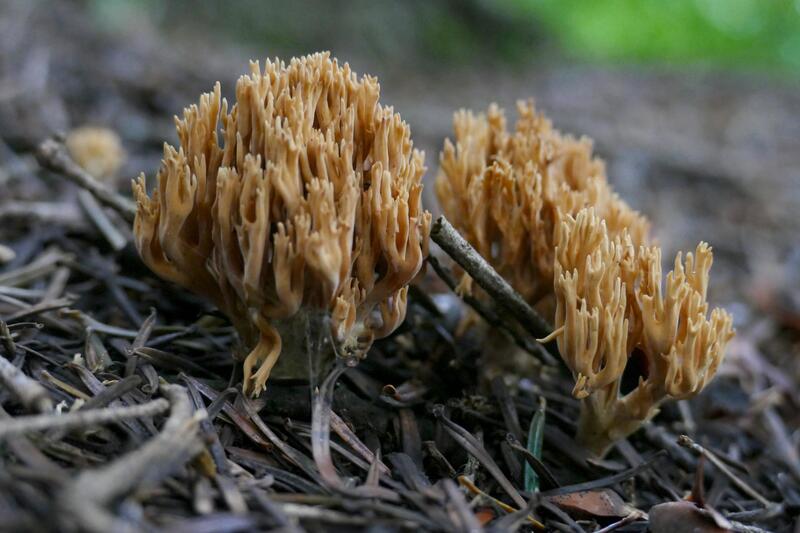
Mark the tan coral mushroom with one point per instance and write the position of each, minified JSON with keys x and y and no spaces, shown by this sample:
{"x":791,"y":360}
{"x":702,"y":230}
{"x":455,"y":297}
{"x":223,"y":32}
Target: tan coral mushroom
{"x":537,"y":205}
{"x":306,"y":200}
{"x":610,"y":304}
{"x":506,"y":192}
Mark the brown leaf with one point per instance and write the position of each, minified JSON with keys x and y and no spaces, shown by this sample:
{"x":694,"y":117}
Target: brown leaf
{"x":602,"y":503}
{"x":485,"y":515}
{"x":684,"y":516}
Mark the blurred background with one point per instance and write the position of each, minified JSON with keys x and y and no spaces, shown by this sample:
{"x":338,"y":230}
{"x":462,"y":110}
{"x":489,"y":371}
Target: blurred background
{"x":694,"y":104}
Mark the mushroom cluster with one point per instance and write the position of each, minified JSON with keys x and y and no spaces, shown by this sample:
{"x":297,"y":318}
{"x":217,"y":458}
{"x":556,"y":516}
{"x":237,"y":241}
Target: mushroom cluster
{"x":506,"y":192}
{"x":613,"y":304}
{"x":538,"y":206}
{"x":304,"y":196}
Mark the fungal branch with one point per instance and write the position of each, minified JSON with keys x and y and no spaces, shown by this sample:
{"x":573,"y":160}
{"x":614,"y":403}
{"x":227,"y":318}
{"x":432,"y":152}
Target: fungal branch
{"x":303,"y":197}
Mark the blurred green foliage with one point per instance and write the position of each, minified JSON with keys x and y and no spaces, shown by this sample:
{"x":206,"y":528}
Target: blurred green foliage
{"x":731,"y":33}
{"x":740,"y":34}
{"x":422,"y":33}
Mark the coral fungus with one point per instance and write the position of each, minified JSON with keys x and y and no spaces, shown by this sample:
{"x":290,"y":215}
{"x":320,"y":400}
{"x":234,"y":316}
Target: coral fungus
{"x":537,"y":205}
{"x":307,"y":199}
{"x":506,"y":192}
{"x":611,"y":302}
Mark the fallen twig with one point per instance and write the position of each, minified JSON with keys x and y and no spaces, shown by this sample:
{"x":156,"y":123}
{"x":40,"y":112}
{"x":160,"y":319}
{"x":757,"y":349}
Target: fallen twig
{"x":29,"y":392}
{"x":85,"y":499}
{"x":53,"y":156}
{"x":101,"y":221}
{"x":488,"y":314}
{"x":687,"y":442}
{"x":78,"y":419}
{"x":449,"y":240}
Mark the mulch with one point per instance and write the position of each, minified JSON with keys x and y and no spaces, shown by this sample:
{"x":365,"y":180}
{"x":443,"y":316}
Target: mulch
{"x":121,"y":406}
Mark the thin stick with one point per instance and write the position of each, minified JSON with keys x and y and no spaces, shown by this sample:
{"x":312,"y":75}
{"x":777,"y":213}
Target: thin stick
{"x":85,"y":500}
{"x":687,"y":442}
{"x":449,"y":240}
{"x":45,"y":263}
{"x":635,"y":515}
{"x":78,"y":419}
{"x":489,"y":315}
{"x":535,"y":463}
{"x":53,"y":156}
{"x":29,"y":392}
{"x":468,"y":441}
{"x":101,"y":221}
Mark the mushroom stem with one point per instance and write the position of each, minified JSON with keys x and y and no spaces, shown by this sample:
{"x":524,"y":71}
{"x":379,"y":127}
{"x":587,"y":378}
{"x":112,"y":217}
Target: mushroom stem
{"x":604,"y":420}
{"x":595,"y":423}
{"x":289,"y":349}
{"x":317,"y":350}
{"x":263,"y":356}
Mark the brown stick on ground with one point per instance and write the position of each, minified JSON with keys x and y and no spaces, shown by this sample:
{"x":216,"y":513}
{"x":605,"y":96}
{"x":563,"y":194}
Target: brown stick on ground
{"x":85,"y":500}
{"x":53,"y":156}
{"x":454,"y":245}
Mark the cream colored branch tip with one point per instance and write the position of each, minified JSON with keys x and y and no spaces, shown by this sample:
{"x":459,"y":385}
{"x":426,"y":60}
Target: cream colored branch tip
{"x":305,"y":195}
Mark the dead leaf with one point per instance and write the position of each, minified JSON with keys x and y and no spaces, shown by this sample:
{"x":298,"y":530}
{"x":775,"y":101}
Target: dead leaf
{"x":485,"y":515}
{"x":602,"y":503}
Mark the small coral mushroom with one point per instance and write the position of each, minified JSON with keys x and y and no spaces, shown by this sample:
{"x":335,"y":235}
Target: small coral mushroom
{"x":306,"y":201}
{"x":506,"y":192}
{"x":538,"y":206}
{"x":610,"y":305}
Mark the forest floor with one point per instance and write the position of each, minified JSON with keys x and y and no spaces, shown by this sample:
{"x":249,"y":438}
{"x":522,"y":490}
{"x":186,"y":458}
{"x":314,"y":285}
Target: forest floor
{"x":146,"y":373}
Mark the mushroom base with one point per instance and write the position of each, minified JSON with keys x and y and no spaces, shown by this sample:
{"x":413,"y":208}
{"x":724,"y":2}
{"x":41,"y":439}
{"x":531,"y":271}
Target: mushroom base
{"x":605,"y":418}
{"x":305,"y":349}
{"x":301,"y":346}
